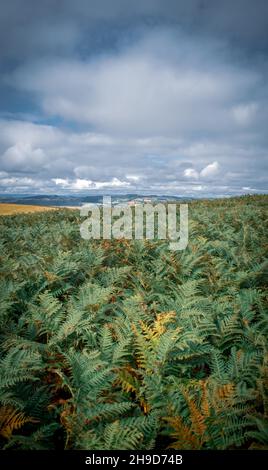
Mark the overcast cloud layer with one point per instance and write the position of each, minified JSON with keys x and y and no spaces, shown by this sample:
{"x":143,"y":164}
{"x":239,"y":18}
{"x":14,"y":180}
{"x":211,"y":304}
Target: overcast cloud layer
{"x":161,"y":96}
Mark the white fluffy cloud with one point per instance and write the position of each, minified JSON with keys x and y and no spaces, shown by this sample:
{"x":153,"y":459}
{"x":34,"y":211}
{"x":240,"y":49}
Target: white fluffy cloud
{"x":210,"y":170}
{"x":83,"y":161}
{"x":79,"y":184}
{"x":191,"y":173}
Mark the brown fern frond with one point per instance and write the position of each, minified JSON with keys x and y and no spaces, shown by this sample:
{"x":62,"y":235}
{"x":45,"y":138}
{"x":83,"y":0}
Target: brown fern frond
{"x":183,"y":435}
{"x":225,"y":392}
{"x":12,"y":420}
{"x":51,"y":277}
{"x":205,"y":406}
{"x":196,"y":417}
{"x":221,"y":396}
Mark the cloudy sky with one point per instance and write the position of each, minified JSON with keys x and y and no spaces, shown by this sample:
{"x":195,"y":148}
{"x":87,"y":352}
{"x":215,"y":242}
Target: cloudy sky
{"x":164,"y":96}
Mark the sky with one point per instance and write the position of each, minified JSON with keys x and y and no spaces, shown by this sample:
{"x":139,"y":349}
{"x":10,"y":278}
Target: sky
{"x":146,"y":96}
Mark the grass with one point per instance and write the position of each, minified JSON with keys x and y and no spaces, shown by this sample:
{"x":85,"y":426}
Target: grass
{"x":9,"y":209}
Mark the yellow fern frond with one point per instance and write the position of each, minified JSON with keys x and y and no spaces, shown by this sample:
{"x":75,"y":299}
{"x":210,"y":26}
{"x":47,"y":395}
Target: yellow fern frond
{"x":147,"y":331}
{"x":154,"y":332}
{"x":162,"y":319}
{"x":128,"y":382}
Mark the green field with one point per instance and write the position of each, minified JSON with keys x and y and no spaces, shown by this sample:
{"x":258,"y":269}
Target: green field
{"x":128,"y":345}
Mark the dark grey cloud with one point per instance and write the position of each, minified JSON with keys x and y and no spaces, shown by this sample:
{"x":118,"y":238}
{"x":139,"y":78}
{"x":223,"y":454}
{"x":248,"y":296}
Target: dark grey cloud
{"x":162,"y":95}
{"x":33,"y":27}
{"x":151,"y":87}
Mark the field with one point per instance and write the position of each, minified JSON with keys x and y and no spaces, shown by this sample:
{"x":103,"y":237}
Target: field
{"x":125,"y":344}
{"x":9,"y":209}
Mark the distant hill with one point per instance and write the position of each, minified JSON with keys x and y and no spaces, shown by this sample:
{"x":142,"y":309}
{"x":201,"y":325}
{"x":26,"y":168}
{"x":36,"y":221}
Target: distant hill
{"x":78,"y":200}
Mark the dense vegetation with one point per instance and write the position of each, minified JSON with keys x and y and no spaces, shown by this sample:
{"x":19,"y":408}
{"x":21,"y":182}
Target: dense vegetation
{"x":128,"y":345}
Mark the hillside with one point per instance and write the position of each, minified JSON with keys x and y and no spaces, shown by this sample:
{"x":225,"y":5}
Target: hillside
{"x":125,"y":344}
